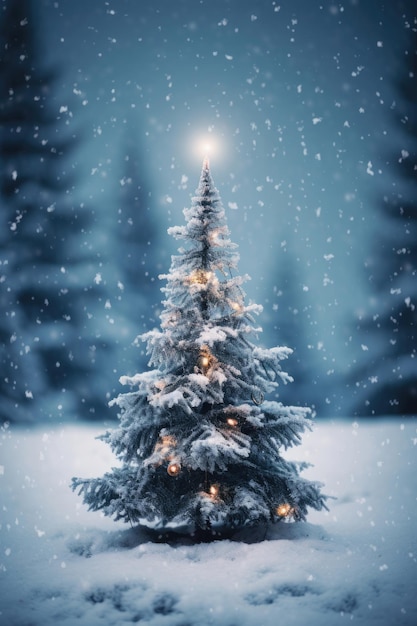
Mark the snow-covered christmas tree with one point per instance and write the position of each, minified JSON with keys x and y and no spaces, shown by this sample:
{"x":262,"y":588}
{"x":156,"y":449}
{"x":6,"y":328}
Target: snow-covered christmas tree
{"x":199,"y":445}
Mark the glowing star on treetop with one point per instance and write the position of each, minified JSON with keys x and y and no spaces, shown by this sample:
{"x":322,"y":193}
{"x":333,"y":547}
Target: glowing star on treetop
{"x":206,"y":147}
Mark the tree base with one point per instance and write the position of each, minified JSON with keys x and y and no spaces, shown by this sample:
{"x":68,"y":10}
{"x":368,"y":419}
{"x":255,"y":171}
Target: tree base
{"x":252,"y":534}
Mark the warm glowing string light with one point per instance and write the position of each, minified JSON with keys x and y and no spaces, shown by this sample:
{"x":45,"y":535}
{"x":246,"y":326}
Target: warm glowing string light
{"x":214,"y":237}
{"x":237,"y":307}
{"x":205,"y":359}
{"x":232,"y":421}
{"x":214,"y":490}
{"x":200,"y":277}
{"x":283,"y":510}
{"x":174,"y":469}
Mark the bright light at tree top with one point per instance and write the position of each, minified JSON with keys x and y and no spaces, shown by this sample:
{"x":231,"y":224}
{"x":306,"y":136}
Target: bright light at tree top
{"x":206,"y":146}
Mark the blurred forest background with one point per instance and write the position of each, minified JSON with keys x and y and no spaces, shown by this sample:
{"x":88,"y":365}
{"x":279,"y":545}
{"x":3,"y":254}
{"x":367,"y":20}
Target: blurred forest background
{"x":314,"y":109}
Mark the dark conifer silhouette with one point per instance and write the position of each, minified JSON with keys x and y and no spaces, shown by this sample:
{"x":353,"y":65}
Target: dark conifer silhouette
{"x":136,"y":257}
{"x":387,"y":382}
{"x":289,"y":321}
{"x":49,"y":300}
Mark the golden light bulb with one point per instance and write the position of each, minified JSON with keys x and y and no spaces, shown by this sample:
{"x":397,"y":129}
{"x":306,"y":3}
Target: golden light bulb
{"x":214,"y":237}
{"x":174,"y":469}
{"x":237,"y":307}
{"x":232,"y":421}
{"x":214,"y":490}
{"x":204,"y":359}
{"x":200,"y":277}
{"x":283,"y":510}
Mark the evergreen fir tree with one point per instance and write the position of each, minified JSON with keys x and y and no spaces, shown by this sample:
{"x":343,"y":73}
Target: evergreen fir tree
{"x":289,"y":320}
{"x":136,"y":259}
{"x":49,"y":302}
{"x":21,"y":377}
{"x":199,"y":446}
{"x":386,"y":373}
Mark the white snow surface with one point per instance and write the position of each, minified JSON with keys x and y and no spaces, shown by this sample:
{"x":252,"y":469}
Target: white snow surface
{"x":60,"y":564}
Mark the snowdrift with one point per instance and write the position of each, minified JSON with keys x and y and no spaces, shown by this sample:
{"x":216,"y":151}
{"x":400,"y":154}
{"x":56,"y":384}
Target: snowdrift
{"x":61,"y":564}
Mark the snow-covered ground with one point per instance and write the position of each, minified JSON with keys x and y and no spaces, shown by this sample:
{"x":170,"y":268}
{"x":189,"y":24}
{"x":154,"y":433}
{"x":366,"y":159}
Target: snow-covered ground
{"x":60,"y":564}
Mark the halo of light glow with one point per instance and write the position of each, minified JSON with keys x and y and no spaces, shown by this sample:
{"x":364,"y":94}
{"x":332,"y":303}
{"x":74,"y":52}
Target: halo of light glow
{"x":206,"y":146}
{"x":174,"y":469}
{"x":284,"y":510}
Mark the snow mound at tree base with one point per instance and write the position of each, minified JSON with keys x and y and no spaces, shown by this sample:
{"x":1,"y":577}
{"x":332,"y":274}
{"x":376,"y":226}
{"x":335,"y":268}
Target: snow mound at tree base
{"x":60,"y":564}
{"x":92,"y":541}
{"x":249,"y":533}
{"x":187,"y":536}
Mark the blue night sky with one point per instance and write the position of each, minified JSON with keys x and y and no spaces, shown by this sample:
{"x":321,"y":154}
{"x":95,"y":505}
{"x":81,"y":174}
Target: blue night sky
{"x":295,"y":97}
